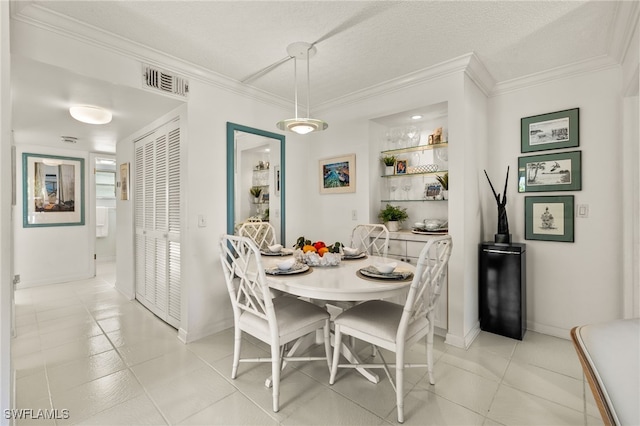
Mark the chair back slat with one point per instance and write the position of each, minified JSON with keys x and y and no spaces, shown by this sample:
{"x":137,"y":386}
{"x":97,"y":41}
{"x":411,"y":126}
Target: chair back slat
{"x":372,"y":238}
{"x":427,"y":282}
{"x":262,"y":234}
{"x":245,"y":277}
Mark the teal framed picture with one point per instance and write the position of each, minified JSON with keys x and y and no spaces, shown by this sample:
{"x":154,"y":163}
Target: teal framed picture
{"x":549,"y":218}
{"x":560,"y":171}
{"x":52,"y":191}
{"x":554,"y":130}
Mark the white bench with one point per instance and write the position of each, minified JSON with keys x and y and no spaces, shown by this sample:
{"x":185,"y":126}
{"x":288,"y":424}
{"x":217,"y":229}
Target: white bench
{"x":610,"y":357}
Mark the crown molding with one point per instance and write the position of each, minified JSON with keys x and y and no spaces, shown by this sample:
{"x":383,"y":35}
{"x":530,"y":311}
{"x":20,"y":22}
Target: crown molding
{"x":625,"y":24}
{"x":468,"y":63}
{"x":559,"y":73}
{"x":42,"y":18}
{"x":626,"y":21}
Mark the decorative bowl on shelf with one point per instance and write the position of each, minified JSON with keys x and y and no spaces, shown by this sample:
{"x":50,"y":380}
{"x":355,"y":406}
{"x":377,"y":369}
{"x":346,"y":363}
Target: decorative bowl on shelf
{"x":434,"y":224}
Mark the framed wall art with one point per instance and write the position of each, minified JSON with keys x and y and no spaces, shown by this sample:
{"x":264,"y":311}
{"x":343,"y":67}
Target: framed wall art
{"x":338,"y":174}
{"x":549,"y":218}
{"x":53,"y":190}
{"x":550,"y":172}
{"x":124,"y":181}
{"x":554,"y":130}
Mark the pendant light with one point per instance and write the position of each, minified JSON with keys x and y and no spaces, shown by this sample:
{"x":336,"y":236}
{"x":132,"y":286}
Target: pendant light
{"x":302,"y":126}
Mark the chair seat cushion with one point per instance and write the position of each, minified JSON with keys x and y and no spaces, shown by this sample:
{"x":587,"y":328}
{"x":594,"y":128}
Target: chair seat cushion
{"x":291,"y":314}
{"x":378,"y":318}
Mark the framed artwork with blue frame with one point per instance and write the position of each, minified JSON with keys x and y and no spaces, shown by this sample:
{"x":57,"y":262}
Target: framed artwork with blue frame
{"x":52,"y":191}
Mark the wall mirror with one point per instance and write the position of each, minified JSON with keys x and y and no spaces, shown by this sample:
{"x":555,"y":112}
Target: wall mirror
{"x":255,"y":178}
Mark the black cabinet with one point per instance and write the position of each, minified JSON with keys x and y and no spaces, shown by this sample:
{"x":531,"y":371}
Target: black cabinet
{"x":502,"y":293}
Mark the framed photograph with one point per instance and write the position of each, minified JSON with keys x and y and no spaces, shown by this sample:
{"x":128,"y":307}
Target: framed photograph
{"x":52,"y":190}
{"x":550,"y":172}
{"x":549,"y":218}
{"x":401,"y":167}
{"x":124,"y":181}
{"x":554,"y":130}
{"x":338,"y":174}
{"x":276,"y":180}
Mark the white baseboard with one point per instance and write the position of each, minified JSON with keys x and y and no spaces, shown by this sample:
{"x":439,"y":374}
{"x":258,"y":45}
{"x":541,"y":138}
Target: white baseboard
{"x":193,"y":335}
{"x":550,"y":330}
{"x":466,"y":341}
{"x":57,"y":280}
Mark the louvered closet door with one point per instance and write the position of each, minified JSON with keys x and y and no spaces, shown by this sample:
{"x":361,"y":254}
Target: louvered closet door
{"x":157,"y":219}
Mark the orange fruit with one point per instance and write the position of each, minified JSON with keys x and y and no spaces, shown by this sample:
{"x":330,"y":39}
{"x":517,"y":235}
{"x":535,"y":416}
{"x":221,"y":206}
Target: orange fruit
{"x":308,"y":248}
{"x":322,"y":251}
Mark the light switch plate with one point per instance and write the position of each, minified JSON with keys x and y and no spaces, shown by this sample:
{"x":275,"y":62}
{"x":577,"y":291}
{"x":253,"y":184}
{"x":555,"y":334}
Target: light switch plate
{"x":582,"y":210}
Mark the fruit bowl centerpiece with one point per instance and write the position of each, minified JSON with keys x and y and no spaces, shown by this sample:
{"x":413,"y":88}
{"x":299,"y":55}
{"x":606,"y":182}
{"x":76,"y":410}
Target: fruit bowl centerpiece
{"x":318,"y":253}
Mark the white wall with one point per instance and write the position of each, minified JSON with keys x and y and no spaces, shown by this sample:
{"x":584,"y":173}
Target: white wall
{"x":46,"y":255}
{"x":569,"y":283}
{"x":6,"y":290}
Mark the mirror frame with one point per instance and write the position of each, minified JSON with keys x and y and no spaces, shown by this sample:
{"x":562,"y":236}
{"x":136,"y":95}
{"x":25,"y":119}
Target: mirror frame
{"x":231,"y":129}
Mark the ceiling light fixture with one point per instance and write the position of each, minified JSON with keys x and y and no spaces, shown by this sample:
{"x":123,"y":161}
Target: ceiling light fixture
{"x":302,"y":126}
{"x":416,"y":117}
{"x":90,"y":114}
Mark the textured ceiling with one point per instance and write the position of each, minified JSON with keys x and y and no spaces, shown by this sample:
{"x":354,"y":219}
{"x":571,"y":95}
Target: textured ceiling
{"x":360,"y":43}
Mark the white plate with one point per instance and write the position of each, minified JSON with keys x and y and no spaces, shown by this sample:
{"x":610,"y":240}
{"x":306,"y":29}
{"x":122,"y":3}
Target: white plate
{"x":425,"y":232}
{"x":354,"y":256}
{"x":372,"y":272}
{"x":297,"y":268}
{"x":283,"y":252}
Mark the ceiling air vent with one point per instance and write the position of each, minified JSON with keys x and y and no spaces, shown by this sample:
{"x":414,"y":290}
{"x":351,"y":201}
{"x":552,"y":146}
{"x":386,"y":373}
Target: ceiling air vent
{"x":164,"y":81}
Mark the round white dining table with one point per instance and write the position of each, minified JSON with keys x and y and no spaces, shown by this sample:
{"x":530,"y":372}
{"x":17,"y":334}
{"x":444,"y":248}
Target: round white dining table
{"x":341,"y":282}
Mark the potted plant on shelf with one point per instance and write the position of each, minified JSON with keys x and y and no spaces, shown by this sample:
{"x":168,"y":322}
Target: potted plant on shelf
{"x":389,"y":163}
{"x":444,"y":181}
{"x":256,"y":191}
{"x":393,"y":216}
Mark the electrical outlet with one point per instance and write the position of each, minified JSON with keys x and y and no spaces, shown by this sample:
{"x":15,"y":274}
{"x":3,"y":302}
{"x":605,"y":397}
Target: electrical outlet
{"x":354,"y":214}
{"x":16,"y":279}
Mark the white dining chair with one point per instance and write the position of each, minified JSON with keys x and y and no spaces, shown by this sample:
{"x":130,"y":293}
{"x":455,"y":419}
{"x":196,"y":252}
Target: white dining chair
{"x":397,"y":327}
{"x":276,"y":321}
{"x":372,"y":238}
{"x":261,"y":233}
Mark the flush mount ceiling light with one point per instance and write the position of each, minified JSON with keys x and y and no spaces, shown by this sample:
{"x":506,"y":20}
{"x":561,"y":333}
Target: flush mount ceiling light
{"x":416,"y":117}
{"x":301,"y":51}
{"x":90,"y":114}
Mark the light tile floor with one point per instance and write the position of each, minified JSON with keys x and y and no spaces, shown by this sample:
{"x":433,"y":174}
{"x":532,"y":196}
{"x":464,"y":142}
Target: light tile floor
{"x":83,"y":347}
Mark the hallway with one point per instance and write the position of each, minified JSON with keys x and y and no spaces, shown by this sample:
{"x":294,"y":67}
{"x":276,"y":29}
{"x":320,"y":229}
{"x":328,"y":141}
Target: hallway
{"x":84,"y":348}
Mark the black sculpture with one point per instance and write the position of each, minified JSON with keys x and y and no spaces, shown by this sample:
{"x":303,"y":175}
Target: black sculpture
{"x":503,"y":235}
